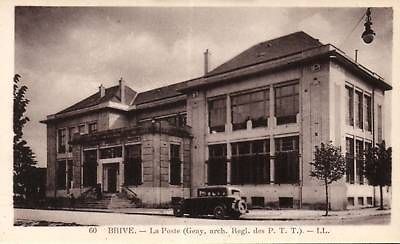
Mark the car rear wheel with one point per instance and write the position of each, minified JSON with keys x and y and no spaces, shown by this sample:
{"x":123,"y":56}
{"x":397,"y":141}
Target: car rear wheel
{"x":219,"y":212}
{"x":242,"y":206}
{"x":178,"y":211}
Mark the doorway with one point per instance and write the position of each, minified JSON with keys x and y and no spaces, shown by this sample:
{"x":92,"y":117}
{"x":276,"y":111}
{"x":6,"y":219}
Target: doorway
{"x":110,"y":177}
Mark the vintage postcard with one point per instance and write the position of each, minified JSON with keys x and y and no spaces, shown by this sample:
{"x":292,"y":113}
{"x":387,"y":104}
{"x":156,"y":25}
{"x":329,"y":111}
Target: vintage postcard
{"x":199,"y":121}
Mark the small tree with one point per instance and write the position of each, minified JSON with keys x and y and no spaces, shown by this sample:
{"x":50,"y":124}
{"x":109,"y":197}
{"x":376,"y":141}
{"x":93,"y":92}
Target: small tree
{"x":329,"y":165}
{"x":24,"y":158}
{"x":378,"y":167}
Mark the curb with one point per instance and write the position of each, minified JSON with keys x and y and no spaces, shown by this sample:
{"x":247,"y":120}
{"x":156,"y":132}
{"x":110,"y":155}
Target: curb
{"x":243,"y":218}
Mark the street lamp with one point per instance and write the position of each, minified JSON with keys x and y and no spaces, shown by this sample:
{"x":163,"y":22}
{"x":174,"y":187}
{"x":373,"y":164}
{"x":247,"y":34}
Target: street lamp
{"x":368,"y":34}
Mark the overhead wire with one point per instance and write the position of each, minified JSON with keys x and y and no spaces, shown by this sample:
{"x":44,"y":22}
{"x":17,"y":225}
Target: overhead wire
{"x":351,"y":32}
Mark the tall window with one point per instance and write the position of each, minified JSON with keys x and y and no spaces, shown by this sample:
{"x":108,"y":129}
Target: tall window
{"x":175,"y":165}
{"x":349,"y":106}
{"x":379,"y":125}
{"x":133,"y":165}
{"x":181,"y":120}
{"x":360,"y":161}
{"x":250,"y":162}
{"x":61,"y":140}
{"x":367,"y":113}
{"x":71,"y":132}
{"x":92,"y":127}
{"x":111,"y":152}
{"x":286,"y":103}
{"x":70,"y":172}
{"x":217,"y":164}
{"x":250,"y":106}
{"x":217,"y":114}
{"x":350,"y":160}
{"x":359,"y":109}
{"x":368,"y":146}
{"x":90,"y":168}
{"x":61,"y":174}
{"x":178,"y":120}
{"x":287,"y":160}
{"x":81,"y":129}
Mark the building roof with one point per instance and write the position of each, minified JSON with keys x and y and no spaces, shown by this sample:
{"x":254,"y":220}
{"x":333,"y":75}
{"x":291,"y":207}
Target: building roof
{"x":270,"y":54}
{"x":269,"y":50}
{"x":279,"y":53}
{"x":159,"y":93}
{"x":111,"y":94}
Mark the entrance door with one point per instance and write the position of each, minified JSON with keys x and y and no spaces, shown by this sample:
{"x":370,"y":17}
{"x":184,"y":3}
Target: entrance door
{"x":112,"y":178}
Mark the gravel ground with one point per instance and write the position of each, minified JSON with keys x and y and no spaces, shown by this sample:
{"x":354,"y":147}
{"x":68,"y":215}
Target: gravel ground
{"x":26,"y":222}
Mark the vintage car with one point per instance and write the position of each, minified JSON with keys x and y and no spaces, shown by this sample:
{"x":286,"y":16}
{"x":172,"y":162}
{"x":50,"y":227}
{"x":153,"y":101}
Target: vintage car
{"x":220,"y":201}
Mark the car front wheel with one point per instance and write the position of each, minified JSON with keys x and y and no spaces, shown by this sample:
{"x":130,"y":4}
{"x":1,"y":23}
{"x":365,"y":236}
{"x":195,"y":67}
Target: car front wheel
{"x":219,"y":212}
{"x":178,"y":211}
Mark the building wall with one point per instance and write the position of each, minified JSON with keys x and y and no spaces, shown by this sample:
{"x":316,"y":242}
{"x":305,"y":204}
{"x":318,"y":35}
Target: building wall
{"x":321,"y":118}
{"x":196,"y":113}
{"x":321,"y":123}
{"x":340,"y":77}
{"x":312,"y":127}
{"x":102,"y":119}
{"x":156,"y":188}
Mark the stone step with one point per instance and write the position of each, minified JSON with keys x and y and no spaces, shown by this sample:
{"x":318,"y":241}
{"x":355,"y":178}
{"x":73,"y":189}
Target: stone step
{"x":108,"y":201}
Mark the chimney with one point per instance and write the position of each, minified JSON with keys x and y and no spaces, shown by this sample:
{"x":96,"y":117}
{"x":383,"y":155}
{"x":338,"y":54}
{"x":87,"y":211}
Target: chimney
{"x":206,"y":53}
{"x":356,"y":55}
{"x":102,"y":90}
{"x":122,"y":90}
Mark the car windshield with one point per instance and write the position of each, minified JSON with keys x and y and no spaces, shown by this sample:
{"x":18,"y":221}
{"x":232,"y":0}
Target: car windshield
{"x":235,"y":193}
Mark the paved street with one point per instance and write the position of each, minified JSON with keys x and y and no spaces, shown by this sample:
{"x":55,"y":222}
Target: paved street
{"x":103,"y":218}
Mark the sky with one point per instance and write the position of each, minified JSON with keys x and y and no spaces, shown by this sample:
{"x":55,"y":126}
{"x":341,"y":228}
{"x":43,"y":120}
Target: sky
{"x":64,"y":53}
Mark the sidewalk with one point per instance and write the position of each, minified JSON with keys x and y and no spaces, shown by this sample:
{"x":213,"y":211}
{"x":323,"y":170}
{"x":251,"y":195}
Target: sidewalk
{"x":257,"y":214}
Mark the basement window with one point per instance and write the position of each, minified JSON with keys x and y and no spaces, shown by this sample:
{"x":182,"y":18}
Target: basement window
{"x":257,"y":202}
{"x":361,"y":201}
{"x":286,"y":202}
{"x":369,"y":200}
{"x":350,"y":201}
